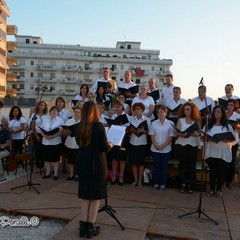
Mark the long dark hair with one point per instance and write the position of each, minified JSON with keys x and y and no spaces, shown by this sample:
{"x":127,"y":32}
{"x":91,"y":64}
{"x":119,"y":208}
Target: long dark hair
{"x":89,"y":115}
{"x":19,"y":113}
{"x":98,"y":98}
{"x":223,"y":121}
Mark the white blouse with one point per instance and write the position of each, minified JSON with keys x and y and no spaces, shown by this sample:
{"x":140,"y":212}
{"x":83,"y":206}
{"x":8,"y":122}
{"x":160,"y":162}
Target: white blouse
{"x":221,"y":149}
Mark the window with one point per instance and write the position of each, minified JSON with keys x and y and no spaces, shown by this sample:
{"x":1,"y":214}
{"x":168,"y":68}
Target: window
{"x":101,"y":65}
{"x":153,"y":68}
{"x":27,"y":40}
{"x":21,"y":62}
{"x":31,"y":74}
{"x":86,"y":66}
{"x":14,"y":86}
{"x":86,"y":77}
{"x":137,"y":81}
{"x":122,"y":67}
{"x":21,"y":86}
{"x":31,"y":86}
{"x":22,"y":74}
{"x":32,"y":62}
{"x":40,"y":62}
{"x":129,"y":46}
{"x":52,"y":63}
{"x":52,"y":76}
{"x":40,"y":75}
{"x":34,"y":42}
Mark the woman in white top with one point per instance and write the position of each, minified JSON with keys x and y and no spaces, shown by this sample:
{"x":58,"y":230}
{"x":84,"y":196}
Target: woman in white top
{"x":161,"y":133}
{"x":41,"y":111}
{"x":218,"y":154}
{"x":118,"y":154}
{"x":16,"y":125}
{"x":84,"y":90}
{"x":64,"y":114}
{"x":234,"y":120}
{"x":138,"y":142}
{"x":52,"y":143}
{"x":147,"y":101}
{"x":71,"y":143}
{"x":187,"y":145}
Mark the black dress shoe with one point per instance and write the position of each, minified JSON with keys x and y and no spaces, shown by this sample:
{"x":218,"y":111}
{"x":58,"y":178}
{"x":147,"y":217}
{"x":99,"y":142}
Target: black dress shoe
{"x":46,"y":176}
{"x":82,"y":229}
{"x":92,"y":230}
{"x":70,"y":178}
{"x":55,"y":178}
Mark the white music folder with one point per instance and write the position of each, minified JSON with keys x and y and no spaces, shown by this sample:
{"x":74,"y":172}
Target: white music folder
{"x":115,"y":134}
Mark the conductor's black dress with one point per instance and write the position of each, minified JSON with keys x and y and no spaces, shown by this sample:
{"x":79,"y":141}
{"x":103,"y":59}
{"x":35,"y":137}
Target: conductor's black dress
{"x":92,"y":179}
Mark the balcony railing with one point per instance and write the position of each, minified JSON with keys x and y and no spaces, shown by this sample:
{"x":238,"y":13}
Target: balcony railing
{"x":12,"y":91}
{"x":11,"y":61}
{"x":11,"y":76}
{"x":69,"y":68}
{"x":11,"y":46}
{"x":12,"y":30}
{"x":46,"y":68}
{"x":46,"y":80}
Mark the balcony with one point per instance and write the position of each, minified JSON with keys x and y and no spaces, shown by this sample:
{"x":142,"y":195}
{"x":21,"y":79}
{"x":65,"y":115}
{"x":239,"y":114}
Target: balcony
{"x":12,"y":30}
{"x":46,"y":68}
{"x":11,"y":46}
{"x":160,"y":73}
{"x":18,"y":67}
{"x":11,"y":61}
{"x":69,"y":68}
{"x":11,"y":76}
{"x":68,"y":80}
{"x":70,"y":92}
{"x":46,"y":80}
{"x":85,"y":70}
{"x":11,"y":91}
{"x":3,"y":18}
{"x":88,"y":81}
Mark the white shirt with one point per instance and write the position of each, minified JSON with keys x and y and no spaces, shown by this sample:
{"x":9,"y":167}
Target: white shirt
{"x":201,"y":104}
{"x":15,"y":125}
{"x":221,"y":149}
{"x":38,"y":121}
{"x":71,"y":141}
{"x":232,"y":97}
{"x":167,"y":92}
{"x":95,"y":85}
{"x":161,"y":132}
{"x":171,"y":104}
{"x":193,"y":141}
{"x":79,"y":97}
{"x":49,"y":124}
{"x":147,"y":102}
{"x":64,"y":114}
{"x":142,"y":140}
{"x":234,"y":117}
{"x":102,"y":119}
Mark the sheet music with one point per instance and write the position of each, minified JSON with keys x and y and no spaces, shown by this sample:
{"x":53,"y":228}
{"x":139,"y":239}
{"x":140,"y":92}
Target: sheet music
{"x":115,"y":134}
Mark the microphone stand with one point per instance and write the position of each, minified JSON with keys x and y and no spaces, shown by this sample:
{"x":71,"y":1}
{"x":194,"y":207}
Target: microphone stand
{"x":199,"y":209}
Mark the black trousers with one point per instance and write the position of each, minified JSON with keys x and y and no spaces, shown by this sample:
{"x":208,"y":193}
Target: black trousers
{"x":217,"y":167}
{"x":38,"y":152}
{"x":187,"y":156}
{"x":230,"y":167}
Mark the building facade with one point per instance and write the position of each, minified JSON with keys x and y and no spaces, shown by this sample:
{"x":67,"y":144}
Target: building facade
{"x":59,"y":70}
{"x":5,"y":46}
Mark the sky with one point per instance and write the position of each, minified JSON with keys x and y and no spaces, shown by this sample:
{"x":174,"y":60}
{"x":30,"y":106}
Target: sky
{"x":202,"y":37}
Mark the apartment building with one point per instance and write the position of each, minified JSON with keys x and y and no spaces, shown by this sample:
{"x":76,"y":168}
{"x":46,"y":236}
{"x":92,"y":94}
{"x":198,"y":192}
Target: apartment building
{"x":5,"y":45}
{"x":59,"y":70}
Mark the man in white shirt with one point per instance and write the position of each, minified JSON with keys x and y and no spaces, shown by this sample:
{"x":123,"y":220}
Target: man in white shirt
{"x":153,"y":88}
{"x":105,"y":78}
{"x":174,"y":103}
{"x":126,"y":84}
{"x":167,"y":91}
{"x":200,"y":99}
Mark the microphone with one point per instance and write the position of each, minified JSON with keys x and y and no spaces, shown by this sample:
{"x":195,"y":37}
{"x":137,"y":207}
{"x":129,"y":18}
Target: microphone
{"x":201,"y":81}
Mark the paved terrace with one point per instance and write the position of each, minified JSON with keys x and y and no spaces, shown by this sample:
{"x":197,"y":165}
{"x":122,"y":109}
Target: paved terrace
{"x":140,"y":210}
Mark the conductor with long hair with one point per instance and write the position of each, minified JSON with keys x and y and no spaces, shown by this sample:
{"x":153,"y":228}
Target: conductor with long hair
{"x":93,"y":145}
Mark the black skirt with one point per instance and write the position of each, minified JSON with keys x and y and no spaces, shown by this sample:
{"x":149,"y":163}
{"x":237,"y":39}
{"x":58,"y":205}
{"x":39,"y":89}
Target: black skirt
{"x":71,"y":155}
{"x":51,"y":153}
{"x":117,"y":153}
{"x":137,"y":154}
{"x":92,"y":188}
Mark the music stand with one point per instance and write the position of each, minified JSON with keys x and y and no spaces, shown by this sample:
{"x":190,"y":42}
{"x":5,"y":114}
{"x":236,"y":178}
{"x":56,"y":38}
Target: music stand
{"x":199,"y":209}
{"x":110,"y":211}
{"x":30,"y":184}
